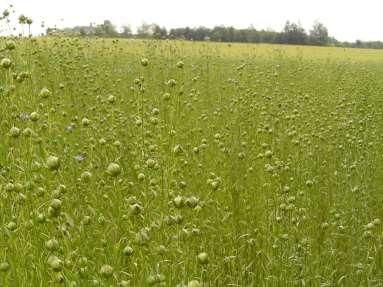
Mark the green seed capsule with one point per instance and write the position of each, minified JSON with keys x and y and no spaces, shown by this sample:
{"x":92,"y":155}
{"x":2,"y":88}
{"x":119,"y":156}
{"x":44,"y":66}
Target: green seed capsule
{"x":111,"y":99}
{"x":106,"y":270}
{"x":144,"y":62}
{"x":56,"y":203}
{"x":55,"y":263}
{"x":86,"y":176}
{"x":10,"y":45}
{"x":45,"y":93}
{"x":52,"y":244}
{"x":14,"y":132}
{"x":194,"y":283}
{"x":113,"y":169}
{"x":5,"y":63}
{"x":53,"y":162}
{"x":85,"y":122}
{"x":203,"y":258}
{"x":127,"y":251}
{"x":12,"y":226}
{"x":4,"y":266}
{"x":178,"y":201}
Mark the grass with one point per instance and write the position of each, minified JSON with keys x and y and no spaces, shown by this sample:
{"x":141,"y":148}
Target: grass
{"x":139,"y":163}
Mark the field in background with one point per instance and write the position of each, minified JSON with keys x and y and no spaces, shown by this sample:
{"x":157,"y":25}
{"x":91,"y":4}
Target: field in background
{"x":133,"y":163}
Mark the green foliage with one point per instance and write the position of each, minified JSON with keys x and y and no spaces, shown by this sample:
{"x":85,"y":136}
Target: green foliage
{"x":291,"y":34}
{"x":319,"y":34}
{"x":151,"y":31}
{"x":170,"y":163}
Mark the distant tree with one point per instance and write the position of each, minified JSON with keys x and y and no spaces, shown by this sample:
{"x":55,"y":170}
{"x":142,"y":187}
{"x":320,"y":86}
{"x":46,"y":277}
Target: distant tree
{"x":268,"y":36}
{"x":239,"y":35}
{"x":201,"y":33}
{"x":82,"y":32}
{"x":294,"y":34}
{"x":126,"y":31}
{"x":107,"y":29}
{"x":319,"y":34}
{"x":159,"y":32}
{"x":186,"y":33}
{"x":333,"y":42}
{"x":175,"y":33}
{"x":223,"y":34}
{"x":251,"y":35}
{"x":229,"y":34}
{"x":358,"y":44}
{"x":218,"y":34}
{"x":145,"y":30}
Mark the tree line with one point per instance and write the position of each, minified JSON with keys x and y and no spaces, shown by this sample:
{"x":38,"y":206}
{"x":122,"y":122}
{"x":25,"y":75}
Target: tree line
{"x":292,"y":33}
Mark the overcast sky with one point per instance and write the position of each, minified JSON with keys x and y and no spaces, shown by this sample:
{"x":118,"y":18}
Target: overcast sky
{"x":345,"y":19}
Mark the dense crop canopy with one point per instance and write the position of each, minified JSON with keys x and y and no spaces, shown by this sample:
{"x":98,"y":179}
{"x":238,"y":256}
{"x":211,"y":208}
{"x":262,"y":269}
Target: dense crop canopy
{"x":145,"y":163}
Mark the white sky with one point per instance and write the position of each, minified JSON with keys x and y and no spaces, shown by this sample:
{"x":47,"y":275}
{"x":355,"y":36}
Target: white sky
{"x":345,"y":19}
